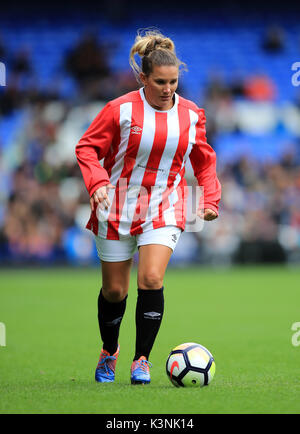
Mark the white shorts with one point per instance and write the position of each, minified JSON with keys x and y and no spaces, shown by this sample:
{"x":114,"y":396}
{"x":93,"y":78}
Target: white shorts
{"x":121,"y":250}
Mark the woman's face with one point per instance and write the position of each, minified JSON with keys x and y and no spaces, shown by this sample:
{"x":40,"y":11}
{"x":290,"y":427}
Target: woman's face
{"x":160,"y":86}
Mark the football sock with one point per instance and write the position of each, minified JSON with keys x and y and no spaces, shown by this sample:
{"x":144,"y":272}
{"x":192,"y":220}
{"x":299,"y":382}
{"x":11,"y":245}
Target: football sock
{"x":149,"y":313}
{"x":110,"y":316}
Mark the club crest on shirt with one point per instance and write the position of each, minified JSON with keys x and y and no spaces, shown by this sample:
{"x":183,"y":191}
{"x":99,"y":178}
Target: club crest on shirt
{"x":136,"y":129}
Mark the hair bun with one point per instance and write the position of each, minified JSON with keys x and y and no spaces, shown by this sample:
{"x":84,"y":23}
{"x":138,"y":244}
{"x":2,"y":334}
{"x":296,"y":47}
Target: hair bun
{"x":153,"y":48}
{"x":150,"y":41}
{"x":158,"y":42}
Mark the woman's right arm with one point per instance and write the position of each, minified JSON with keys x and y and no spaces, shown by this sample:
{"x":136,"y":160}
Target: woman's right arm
{"x":92,"y":147}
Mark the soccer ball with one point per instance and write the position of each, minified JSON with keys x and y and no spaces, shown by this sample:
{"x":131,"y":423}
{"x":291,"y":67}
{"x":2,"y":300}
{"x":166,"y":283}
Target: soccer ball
{"x":190,"y":365}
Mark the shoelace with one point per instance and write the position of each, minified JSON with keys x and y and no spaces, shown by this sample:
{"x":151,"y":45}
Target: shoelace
{"x":103,"y":362}
{"x":144,"y":365}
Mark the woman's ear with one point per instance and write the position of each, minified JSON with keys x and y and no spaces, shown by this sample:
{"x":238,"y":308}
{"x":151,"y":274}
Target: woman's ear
{"x":143,"y":78}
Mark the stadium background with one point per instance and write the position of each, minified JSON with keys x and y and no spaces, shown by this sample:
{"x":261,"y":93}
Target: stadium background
{"x":64,"y":62}
{"x":247,"y":316}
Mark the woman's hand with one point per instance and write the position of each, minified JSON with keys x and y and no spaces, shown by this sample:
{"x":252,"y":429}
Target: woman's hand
{"x":207,"y":214}
{"x":100,"y":197}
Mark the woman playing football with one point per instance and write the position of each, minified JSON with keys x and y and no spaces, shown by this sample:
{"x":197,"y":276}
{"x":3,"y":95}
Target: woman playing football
{"x":138,"y":195}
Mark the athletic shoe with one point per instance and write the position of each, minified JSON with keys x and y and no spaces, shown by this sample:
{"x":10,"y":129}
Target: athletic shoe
{"x":105,"y":371}
{"x":140,"y":373}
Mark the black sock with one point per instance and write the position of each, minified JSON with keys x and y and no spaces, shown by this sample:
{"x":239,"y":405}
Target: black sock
{"x":110,"y":316}
{"x":148,"y":317}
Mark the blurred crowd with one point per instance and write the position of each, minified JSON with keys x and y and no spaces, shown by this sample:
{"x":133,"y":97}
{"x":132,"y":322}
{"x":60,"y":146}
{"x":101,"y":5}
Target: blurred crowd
{"x":44,"y":204}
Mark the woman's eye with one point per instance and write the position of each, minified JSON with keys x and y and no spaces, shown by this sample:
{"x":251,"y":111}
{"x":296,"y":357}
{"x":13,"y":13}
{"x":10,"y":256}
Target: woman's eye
{"x":162,"y":82}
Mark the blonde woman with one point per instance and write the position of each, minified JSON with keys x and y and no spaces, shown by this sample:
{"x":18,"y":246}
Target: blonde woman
{"x":138,"y":197}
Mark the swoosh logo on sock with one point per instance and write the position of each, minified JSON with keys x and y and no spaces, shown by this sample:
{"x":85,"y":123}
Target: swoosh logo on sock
{"x":174,"y":365}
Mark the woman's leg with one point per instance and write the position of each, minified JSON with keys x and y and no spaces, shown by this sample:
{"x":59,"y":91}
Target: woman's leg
{"x":116,"y":261}
{"x":115,"y":280}
{"x":153,"y":261}
{"x":112,"y":301}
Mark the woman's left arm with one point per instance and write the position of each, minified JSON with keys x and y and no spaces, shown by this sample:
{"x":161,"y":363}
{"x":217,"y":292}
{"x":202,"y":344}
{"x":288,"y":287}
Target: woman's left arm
{"x":203,"y":160}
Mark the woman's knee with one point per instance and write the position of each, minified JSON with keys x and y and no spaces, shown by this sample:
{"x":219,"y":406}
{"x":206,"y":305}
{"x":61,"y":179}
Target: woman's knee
{"x":114,"y":293}
{"x":150,"y":279}
{"x":115,"y":280}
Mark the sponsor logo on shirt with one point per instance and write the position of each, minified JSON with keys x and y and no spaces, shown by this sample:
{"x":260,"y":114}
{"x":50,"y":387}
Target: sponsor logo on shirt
{"x":151,"y":169}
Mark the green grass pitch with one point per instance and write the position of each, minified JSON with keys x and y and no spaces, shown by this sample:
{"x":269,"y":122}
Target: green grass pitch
{"x":242,"y":315}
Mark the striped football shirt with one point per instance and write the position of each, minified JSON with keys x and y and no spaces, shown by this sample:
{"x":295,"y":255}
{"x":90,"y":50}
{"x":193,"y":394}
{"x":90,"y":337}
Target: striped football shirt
{"x":144,"y":152}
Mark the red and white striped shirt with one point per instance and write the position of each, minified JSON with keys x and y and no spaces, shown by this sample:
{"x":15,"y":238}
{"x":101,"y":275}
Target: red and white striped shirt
{"x":145,"y":152}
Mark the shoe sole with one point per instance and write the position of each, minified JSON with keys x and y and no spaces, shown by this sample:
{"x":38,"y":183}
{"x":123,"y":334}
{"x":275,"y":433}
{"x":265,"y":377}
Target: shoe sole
{"x":135,"y":382}
{"x":105,"y":381}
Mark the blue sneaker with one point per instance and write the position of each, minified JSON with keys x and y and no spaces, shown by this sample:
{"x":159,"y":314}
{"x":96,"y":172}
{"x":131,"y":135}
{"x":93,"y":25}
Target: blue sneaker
{"x":105,"y":371}
{"x":140,"y":373}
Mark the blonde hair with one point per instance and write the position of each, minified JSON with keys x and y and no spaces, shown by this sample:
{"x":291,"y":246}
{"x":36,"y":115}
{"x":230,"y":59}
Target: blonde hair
{"x":154,"y":49}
